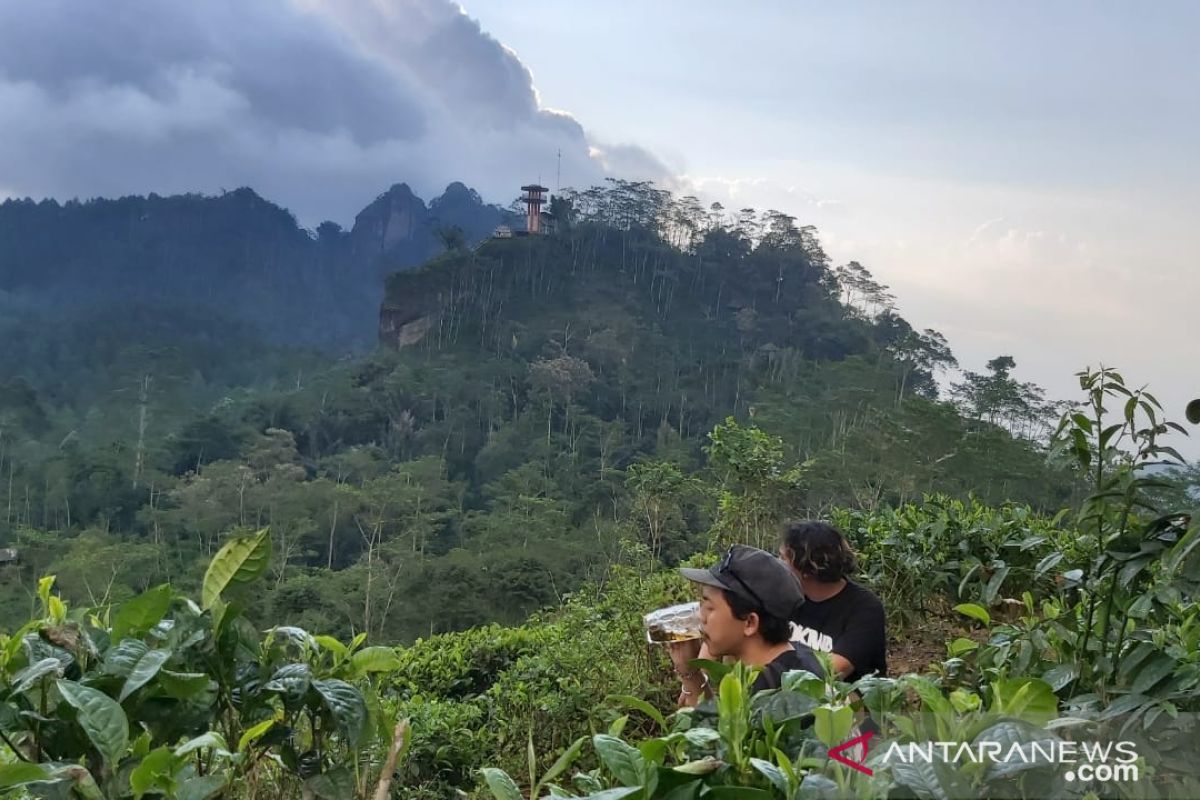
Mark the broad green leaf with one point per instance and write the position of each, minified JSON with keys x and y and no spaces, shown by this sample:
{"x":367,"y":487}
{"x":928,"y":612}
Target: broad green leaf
{"x":1030,"y":699}
{"x":337,"y":784}
{"x":346,"y":705}
{"x":43,"y":592}
{"x":819,"y":787}
{"x":564,"y":761}
{"x":992,"y":590}
{"x":58,"y":610}
{"x":974,"y":612}
{"x":641,"y":705}
{"x":624,"y":761}
{"x":701,"y":737}
{"x":772,"y":773}
{"x":1016,"y":740}
{"x":210,"y":741}
{"x":332,"y":645}
{"x":255,"y":733}
{"x":611,"y":794}
{"x":930,"y":781}
{"x":121,"y":659}
{"x":292,"y":681}
{"x":832,"y":724}
{"x":139,"y":614}
{"x":155,"y":771}
{"x":144,"y":671}
{"x":1154,"y":671}
{"x":962,"y":646}
{"x":240,"y":560}
{"x":732,"y":717}
{"x":702,"y":766}
{"x":737,"y":793}
{"x":101,"y":718}
{"x":375,"y":659}
{"x":502,"y":786}
{"x":20,"y":773}
{"x":205,"y":788}
{"x":32,"y":674}
{"x":183,"y":685}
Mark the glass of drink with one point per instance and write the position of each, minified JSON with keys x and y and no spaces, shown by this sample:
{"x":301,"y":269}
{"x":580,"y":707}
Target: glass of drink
{"x":673,"y":624}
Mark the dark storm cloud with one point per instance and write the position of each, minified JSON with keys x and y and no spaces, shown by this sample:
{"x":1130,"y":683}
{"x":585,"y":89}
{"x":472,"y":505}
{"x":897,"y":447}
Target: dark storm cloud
{"x":317,"y":105}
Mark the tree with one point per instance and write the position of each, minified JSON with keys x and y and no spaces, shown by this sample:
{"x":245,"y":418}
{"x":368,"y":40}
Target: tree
{"x":1000,"y":399}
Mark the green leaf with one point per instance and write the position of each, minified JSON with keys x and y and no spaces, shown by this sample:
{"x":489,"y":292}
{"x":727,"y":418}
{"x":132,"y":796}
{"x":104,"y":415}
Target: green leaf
{"x":1154,"y":671}
{"x":205,"y":788}
{"x":210,"y":741}
{"x":332,"y":645}
{"x":773,"y":774}
{"x":610,"y":794}
{"x":183,"y":685}
{"x":292,"y":681}
{"x":974,"y":612}
{"x":931,"y":781}
{"x":337,"y":784}
{"x":564,"y":761}
{"x":819,"y":787}
{"x":35,"y":672}
{"x":121,"y":660}
{"x":139,"y":614}
{"x":737,"y":793}
{"x":101,"y":718}
{"x":993,"y":585}
{"x":962,"y":646}
{"x":832,"y":724}
{"x":346,"y":705}
{"x":43,"y":592}
{"x":640,"y":705}
{"x":21,"y":773}
{"x":1061,"y":675}
{"x":144,"y":671}
{"x":502,"y":786}
{"x":255,"y":733}
{"x":239,"y":561}
{"x":155,"y":771}
{"x":1028,"y":698}
{"x":375,"y":659}
{"x":625,"y":762}
{"x":702,"y":766}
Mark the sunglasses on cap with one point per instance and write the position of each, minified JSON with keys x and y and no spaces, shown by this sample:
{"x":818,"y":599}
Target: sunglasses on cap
{"x":726,"y":568}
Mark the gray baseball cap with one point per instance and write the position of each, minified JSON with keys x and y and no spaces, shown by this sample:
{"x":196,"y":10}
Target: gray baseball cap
{"x":757,"y":577}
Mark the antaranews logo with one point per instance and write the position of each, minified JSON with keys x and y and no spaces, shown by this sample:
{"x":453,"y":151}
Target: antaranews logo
{"x":1085,"y":761}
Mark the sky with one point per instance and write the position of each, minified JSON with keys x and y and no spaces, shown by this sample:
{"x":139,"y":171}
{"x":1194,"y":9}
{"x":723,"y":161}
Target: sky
{"x":1022,"y":175}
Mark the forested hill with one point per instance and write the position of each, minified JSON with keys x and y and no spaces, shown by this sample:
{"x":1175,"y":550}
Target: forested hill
{"x":235,"y":256}
{"x":542,"y":408}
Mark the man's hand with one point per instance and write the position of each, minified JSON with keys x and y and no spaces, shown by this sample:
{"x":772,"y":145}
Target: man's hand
{"x":693,"y":682}
{"x":682,"y":653}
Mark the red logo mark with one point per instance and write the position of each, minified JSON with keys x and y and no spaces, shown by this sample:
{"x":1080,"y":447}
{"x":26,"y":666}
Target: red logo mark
{"x":836,"y":753}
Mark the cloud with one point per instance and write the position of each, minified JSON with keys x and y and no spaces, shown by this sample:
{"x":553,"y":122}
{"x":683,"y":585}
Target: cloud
{"x":317,"y":105}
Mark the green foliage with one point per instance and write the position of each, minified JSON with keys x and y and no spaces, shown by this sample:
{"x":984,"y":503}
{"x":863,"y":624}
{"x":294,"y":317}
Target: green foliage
{"x":149,"y":704}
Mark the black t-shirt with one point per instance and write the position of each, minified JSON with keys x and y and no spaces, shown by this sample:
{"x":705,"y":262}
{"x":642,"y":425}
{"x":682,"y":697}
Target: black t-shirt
{"x":850,"y":624}
{"x":771,"y":676}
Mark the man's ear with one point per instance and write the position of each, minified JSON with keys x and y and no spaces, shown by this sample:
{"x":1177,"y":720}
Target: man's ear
{"x":751,"y":624}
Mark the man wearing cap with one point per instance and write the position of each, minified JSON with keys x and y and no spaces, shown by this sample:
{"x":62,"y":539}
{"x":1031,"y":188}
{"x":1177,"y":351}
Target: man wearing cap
{"x":748,"y":602}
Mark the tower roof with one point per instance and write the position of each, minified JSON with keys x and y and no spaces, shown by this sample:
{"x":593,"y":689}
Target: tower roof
{"x":533,"y":187}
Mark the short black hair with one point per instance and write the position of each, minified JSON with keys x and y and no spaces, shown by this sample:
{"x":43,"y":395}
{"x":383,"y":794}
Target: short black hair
{"x":774,"y":629}
{"x":819,"y":549}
